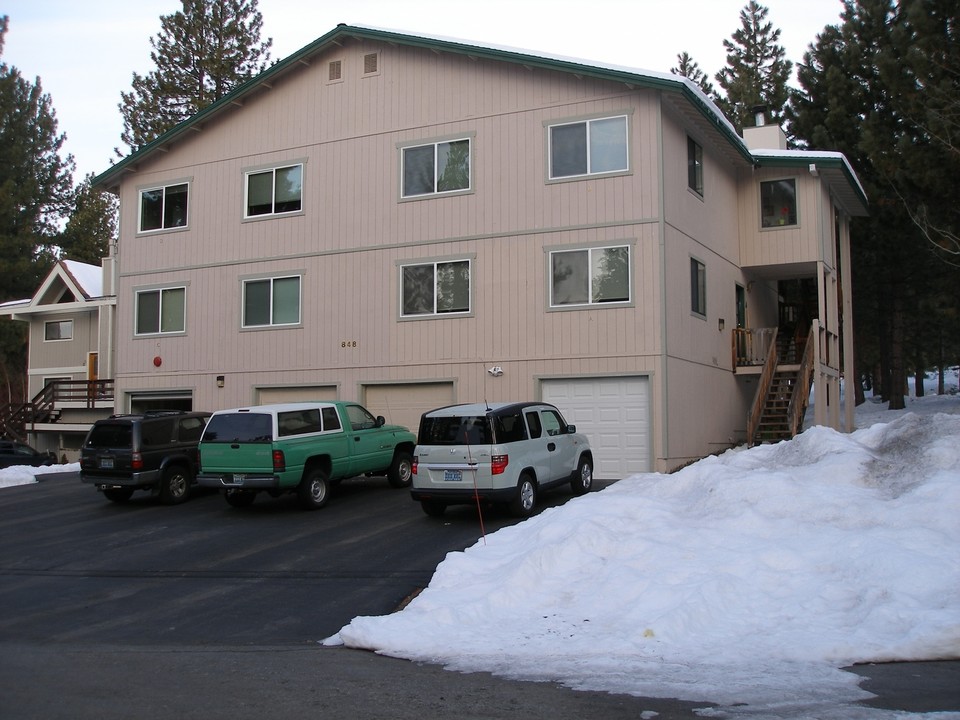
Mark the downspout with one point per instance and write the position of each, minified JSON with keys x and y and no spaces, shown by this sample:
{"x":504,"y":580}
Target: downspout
{"x":846,"y":289}
{"x":661,"y":229}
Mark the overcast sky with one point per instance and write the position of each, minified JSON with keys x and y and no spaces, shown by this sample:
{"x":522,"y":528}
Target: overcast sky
{"x":85,"y":52}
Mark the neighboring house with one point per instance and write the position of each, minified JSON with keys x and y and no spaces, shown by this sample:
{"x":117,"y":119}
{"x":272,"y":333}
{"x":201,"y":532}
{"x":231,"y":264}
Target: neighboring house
{"x":68,"y":359}
{"x":413,"y":222}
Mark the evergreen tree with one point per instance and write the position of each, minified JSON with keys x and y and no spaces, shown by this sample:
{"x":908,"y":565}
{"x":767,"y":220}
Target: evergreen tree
{"x":757,"y":70}
{"x":854,"y":100}
{"x":91,"y":226}
{"x":201,"y":53}
{"x":36,"y":191}
{"x":691,"y":70}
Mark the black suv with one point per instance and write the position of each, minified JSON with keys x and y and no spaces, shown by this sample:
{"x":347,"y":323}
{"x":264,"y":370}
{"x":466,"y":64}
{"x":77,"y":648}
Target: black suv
{"x":155,"y":451}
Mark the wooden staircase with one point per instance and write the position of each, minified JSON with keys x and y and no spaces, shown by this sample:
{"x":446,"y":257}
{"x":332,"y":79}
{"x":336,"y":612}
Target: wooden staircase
{"x":784,"y":389}
{"x":46,"y":406}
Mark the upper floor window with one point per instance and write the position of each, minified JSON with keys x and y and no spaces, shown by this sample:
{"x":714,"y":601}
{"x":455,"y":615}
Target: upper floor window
{"x":694,"y":166}
{"x":590,"y":276}
{"x":160,"y":311}
{"x":275,"y":191}
{"x":590,"y":147}
{"x":162,"y":208}
{"x":271,"y":301}
{"x":778,"y":203}
{"x":698,"y":287}
{"x":58,"y":330}
{"x":435,"y":288}
{"x":441,"y":167}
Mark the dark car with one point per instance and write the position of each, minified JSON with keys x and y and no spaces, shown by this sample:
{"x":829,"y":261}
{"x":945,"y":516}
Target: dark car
{"x":155,"y":451}
{"x":14,"y":453}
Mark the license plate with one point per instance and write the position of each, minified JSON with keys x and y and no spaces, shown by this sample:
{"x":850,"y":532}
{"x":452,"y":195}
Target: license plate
{"x":238,"y":479}
{"x":452,"y":475}
{"x":106,"y":463}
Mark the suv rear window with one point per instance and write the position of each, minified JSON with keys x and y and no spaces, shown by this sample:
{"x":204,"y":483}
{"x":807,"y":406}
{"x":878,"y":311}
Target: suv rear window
{"x":239,"y":427}
{"x":110,"y":435}
{"x":474,"y":429}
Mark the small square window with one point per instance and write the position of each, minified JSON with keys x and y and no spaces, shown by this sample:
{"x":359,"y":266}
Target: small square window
{"x":58,"y":330}
{"x":442,"y":167}
{"x":591,"y":147}
{"x":275,"y":191}
{"x":336,"y":71}
{"x":271,"y":301}
{"x":590,"y":276}
{"x":778,"y":203}
{"x":694,"y":166}
{"x":439,"y":288}
{"x":160,"y":311}
{"x":163,"y":208}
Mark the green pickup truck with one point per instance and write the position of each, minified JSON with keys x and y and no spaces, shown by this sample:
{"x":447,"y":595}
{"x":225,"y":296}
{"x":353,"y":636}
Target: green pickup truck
{"x":301,"y":448}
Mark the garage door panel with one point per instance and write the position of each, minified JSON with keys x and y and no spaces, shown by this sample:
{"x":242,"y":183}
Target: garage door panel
{"x":614,"y":413}
{"x":403,"y":404}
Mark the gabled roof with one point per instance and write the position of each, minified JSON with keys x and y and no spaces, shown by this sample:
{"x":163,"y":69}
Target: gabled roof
{"x":630,"y":77}
{"x":70,"y":285}
{"x":682,"y":92}
{"x":832,"y":166}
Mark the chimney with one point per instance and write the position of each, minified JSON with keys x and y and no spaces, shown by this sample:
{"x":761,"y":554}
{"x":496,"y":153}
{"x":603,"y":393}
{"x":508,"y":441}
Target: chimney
{"x":762,"y":136}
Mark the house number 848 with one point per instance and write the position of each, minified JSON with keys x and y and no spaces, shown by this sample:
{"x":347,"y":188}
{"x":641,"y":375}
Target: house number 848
{"x":348,"y":343}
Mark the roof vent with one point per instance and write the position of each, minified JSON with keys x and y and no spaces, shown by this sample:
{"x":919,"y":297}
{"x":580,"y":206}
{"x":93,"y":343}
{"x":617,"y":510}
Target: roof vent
{"x":759,"y":115}
{"x":370,"y":63}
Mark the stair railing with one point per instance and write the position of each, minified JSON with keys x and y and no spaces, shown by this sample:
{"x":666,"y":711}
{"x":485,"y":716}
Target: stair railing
{"x":800,"y":397}
{"x":763,"y":387}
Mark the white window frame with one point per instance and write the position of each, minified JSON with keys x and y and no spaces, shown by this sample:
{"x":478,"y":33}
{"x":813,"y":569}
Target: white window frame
{"x":796,"y":205}
{"x":435,"y":313}
{"x":272,"y":169}
{"x":590,"y":250}
{"x":588,"y":122}
{"x":66,"y":323}
{"x":160,"y":291}
{"x":272,"y":279}
{"x":163,"y":207}
{"x":404,"y":147}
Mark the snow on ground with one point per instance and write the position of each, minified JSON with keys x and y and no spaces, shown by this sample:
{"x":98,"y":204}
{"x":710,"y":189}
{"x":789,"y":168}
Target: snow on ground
{"x":745,"y":580}
{"x":24,"y":474}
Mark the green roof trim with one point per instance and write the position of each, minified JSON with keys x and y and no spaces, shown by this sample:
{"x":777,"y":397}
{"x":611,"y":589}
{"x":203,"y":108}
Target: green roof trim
{"x":669,"y":83}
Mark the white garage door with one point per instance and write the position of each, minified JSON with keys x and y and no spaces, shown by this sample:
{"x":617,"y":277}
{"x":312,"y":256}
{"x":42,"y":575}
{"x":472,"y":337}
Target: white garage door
{"x":403,"y":404}
{"x":303,"y":393}
{"x":614,"y":413}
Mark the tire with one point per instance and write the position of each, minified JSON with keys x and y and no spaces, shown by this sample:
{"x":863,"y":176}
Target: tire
{"x":314,"y":490}
{"x":118,"y":495}
{"x":240,"y":498}
{"x":526,"y":500}
{"x":582,"y":483}
{"x":433,"y":508}
{"x":400,"y":474}
{"x":175,"y":485}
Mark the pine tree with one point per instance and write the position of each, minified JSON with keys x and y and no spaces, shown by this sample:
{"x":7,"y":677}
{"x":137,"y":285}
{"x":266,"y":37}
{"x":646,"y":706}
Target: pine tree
{"x":856,"y":88}
{"x":691,"y":70}
{"x":36,"y":192}
{"x":201,"y":53}
{"x":757,"y":69}
{"x":91,"y":226}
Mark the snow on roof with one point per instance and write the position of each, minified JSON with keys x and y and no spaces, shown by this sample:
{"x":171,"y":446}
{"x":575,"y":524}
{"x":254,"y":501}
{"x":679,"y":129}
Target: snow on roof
{"x":88,"y":277}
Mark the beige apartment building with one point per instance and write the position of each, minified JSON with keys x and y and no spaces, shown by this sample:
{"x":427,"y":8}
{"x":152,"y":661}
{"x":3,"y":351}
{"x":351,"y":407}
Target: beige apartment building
{"x":412,"y":222}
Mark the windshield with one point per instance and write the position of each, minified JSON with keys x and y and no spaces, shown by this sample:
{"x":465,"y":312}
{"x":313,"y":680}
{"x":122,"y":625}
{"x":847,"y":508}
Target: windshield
{"x":239,"y":428}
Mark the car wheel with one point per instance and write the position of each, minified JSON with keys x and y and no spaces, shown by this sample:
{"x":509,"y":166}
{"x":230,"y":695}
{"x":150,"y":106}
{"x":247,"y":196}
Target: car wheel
{"x":118,"y":495}
{"x":175,"y":485}
{"x":400,"y":473}
{"x":313,"y":490}
{"x":583,"y":481}
{"x":433,"y":508}
{"x":526,"y":499}
{"x":240,"y":498}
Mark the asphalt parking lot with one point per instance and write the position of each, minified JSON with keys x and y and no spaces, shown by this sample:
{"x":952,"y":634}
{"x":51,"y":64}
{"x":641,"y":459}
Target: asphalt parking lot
{"x":207,"y":611}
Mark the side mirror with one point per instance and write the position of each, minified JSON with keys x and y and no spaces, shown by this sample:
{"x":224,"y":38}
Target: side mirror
{"x":381,"y":421}
{"x":571,"y":429}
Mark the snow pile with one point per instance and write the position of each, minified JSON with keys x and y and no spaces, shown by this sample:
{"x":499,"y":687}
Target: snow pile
{"x":749,"y":577}
{"x":26,"y":474}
